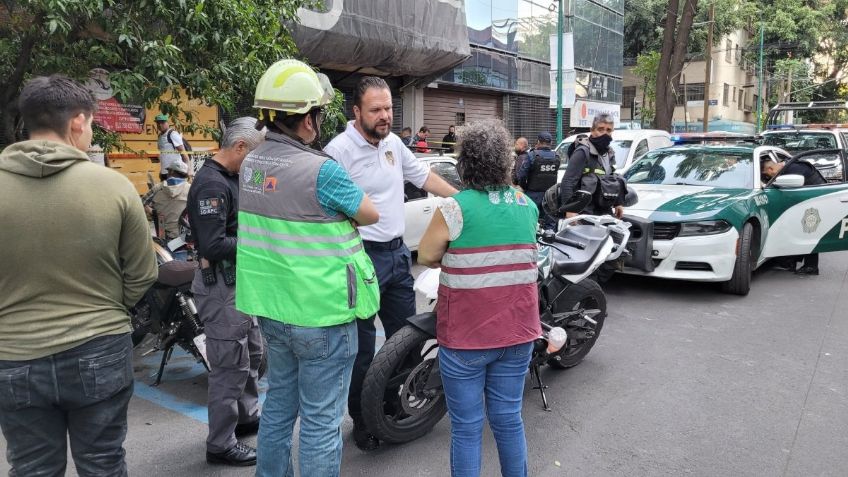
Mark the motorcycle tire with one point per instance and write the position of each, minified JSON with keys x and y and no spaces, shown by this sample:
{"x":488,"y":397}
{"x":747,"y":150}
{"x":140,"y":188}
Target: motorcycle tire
{"x":382,"y":408}
{"x":584,"y":295}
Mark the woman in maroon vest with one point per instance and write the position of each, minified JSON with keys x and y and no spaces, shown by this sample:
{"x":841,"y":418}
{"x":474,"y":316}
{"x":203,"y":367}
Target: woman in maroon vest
{"x":484,"y":239}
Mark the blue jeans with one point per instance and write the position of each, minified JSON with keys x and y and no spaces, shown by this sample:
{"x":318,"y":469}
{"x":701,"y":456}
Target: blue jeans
{"x":498,"y":374}
{"x":308,"y":374}
{"x":79,"y":395}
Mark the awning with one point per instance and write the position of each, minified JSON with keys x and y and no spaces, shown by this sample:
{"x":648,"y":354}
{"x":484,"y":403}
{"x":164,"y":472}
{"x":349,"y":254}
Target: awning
{"x":385,"y":37}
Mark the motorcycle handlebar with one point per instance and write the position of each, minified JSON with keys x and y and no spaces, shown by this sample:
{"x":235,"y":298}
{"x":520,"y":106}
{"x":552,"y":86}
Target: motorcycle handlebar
{"x":569,"y":242}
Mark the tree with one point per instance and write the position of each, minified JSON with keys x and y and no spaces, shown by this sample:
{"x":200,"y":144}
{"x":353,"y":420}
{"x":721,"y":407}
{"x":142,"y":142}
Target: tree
{"x":215,"y":49}
{"x":676,"y":30}
{"x":646,"y":69}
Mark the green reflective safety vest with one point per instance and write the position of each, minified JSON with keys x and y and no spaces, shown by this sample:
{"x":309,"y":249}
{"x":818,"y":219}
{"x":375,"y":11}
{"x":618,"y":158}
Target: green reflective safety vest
{"x":296,"y":264}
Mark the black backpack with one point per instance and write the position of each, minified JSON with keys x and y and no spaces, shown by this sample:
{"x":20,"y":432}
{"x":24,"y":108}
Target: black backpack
{"x":186,"y":144}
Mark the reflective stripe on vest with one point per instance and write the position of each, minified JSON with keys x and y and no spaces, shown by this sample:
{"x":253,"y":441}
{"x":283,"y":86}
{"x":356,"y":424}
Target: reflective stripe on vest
{"x":594,"y":171}
{"x":497,"y":266}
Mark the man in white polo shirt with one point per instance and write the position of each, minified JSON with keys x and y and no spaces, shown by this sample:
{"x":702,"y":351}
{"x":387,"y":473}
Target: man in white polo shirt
{"x":379,"y":163}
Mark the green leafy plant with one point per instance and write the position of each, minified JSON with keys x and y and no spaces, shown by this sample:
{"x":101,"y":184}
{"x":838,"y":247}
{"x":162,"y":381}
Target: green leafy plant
{"x":216,"y":50}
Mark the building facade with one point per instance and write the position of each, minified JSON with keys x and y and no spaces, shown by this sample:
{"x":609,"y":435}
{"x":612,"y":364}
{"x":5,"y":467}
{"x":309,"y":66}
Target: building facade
{"x":453,"y":61}
{"x":732,"y":91}
{"x":508,"y":74}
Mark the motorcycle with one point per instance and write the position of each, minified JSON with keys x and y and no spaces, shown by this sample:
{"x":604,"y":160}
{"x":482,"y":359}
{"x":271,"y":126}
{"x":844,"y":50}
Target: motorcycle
{"x":402,"y":394}
{"x":167,"y":310}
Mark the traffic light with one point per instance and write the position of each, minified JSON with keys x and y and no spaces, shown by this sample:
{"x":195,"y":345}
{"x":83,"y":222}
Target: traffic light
{"x":636,"y":110}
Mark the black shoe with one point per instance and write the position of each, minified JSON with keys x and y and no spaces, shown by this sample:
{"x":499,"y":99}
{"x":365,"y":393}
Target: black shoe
{"x":363,"y":439}
{"x":247,"y":429}
{"x":240,"y":455}
{"x":807,"y":270}
{"x":784,"y":265}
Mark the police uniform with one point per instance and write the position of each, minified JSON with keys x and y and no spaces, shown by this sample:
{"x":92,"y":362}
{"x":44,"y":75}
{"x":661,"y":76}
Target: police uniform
{"x":537,"y":174}
{"x":233,"y":340}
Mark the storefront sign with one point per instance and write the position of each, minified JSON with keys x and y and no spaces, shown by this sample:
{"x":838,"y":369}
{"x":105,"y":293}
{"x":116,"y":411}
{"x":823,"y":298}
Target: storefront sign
{"x":584,"y":112}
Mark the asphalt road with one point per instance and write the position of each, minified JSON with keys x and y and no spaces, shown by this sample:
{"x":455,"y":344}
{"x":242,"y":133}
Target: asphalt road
{"x":683,"y":381}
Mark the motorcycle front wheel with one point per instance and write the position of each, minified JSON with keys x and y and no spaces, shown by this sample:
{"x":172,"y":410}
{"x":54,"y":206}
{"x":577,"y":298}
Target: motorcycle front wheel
{"x":573,"y":310}
{"x":397,"y":405}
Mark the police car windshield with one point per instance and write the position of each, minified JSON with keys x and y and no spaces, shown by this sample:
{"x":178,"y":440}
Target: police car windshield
{"x":693,"y":167}
{"x":796,"y":141}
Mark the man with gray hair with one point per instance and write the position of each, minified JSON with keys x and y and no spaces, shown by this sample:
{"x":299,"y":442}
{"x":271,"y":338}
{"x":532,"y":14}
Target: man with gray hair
{"x":590,"y":167}
{"x":233,"y":342}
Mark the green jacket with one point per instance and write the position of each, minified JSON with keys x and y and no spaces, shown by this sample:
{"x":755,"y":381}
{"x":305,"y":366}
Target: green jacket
{"x":77,"y":250}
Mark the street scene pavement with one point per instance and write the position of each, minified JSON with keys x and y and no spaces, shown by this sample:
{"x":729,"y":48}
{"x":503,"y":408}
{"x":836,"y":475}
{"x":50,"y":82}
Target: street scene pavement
{"x":684,"y":380}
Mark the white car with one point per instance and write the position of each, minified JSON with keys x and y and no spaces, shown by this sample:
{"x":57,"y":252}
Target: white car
{"x":705,"y":214}
{"x":419,"y":205}
{"x":628,"y":145}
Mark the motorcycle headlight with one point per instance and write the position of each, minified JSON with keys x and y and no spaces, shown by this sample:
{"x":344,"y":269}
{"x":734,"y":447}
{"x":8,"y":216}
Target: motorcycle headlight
{"x":704,"y":227}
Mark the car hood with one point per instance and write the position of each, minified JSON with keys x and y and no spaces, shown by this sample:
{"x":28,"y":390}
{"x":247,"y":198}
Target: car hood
{"x":673,"y":203}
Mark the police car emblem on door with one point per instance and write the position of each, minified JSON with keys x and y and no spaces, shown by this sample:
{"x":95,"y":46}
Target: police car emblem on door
{"x":811,"y":220}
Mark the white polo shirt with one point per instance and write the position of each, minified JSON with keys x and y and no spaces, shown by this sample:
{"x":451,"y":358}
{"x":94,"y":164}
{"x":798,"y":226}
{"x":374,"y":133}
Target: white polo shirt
{"x":380,"y":171}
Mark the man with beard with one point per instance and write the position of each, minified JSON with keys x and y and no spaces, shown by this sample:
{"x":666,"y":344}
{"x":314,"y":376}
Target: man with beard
{"x":379,"y":163}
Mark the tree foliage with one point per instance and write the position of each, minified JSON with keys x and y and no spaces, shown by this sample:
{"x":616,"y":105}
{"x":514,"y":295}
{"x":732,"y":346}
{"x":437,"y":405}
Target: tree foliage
{"x":215,"y":49}
{"x":646,"y":69}
{"x":813,"y":30}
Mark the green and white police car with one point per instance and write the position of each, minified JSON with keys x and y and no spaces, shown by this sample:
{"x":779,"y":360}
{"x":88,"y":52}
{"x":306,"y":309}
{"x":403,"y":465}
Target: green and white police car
{"x":704,"y":213}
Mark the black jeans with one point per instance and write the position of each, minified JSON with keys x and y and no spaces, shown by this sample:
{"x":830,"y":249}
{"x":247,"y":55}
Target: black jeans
{"x":82,"y":394}
{"x":393,"y":263}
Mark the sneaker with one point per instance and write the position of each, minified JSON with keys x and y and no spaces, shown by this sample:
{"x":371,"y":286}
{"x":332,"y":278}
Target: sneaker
{"x":239,"y":455}
{"x":364,"y":440}
{"x":247,"y":429}
{"x":807,"y":270}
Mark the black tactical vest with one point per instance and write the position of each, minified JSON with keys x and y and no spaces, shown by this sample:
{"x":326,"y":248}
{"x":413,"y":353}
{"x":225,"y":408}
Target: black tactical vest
{"x":543,"y":172}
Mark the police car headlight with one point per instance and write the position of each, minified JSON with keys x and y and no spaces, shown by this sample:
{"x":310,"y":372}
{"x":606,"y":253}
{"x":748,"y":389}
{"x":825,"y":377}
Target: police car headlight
{"x":705,"y":227}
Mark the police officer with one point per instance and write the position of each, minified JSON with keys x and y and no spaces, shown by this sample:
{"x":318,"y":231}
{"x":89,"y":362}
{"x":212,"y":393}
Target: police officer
{"x":811,"y":177}
{"x":538,"y":173}
{"x":233,"y":342}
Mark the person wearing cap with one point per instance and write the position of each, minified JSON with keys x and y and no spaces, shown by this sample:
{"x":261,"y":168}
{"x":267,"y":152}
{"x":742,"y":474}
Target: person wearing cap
{"x":171,"y":146}
{"x":168,"y":200}
{"x":538,"y":173}
{"x":233,"y":342}
{"x":303,"y":271}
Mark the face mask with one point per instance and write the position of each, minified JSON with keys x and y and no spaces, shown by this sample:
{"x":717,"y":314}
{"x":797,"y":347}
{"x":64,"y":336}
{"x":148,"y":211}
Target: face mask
{"x":601,"y":143}
{"x":174,"y":181}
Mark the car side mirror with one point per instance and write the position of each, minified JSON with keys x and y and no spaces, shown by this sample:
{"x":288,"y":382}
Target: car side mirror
{"x":789,"y":181}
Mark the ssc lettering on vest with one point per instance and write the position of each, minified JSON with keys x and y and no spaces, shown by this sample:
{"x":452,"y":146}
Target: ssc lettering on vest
{"x":548,"y":167}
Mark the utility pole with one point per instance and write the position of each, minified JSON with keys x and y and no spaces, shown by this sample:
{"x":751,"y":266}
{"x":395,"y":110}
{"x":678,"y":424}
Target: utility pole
{"x":709,"y":66}
{"x":760,"y":82}
{"x":685,"y":105}
{"x":559,"y":71}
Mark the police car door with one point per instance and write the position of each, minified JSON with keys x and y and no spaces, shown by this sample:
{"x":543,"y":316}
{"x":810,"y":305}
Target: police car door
{"x":807,"y":219}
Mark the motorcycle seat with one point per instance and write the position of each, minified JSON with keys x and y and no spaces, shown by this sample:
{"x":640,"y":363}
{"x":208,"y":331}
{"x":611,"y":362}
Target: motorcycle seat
{"x":176,"y":273}
{"x":578,"y":260}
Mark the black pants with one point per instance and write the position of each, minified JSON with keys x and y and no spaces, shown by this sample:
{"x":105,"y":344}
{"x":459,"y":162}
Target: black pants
{"x":548,"y":222}
{"x":393,"y":263}
{"x":811,"y":260}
